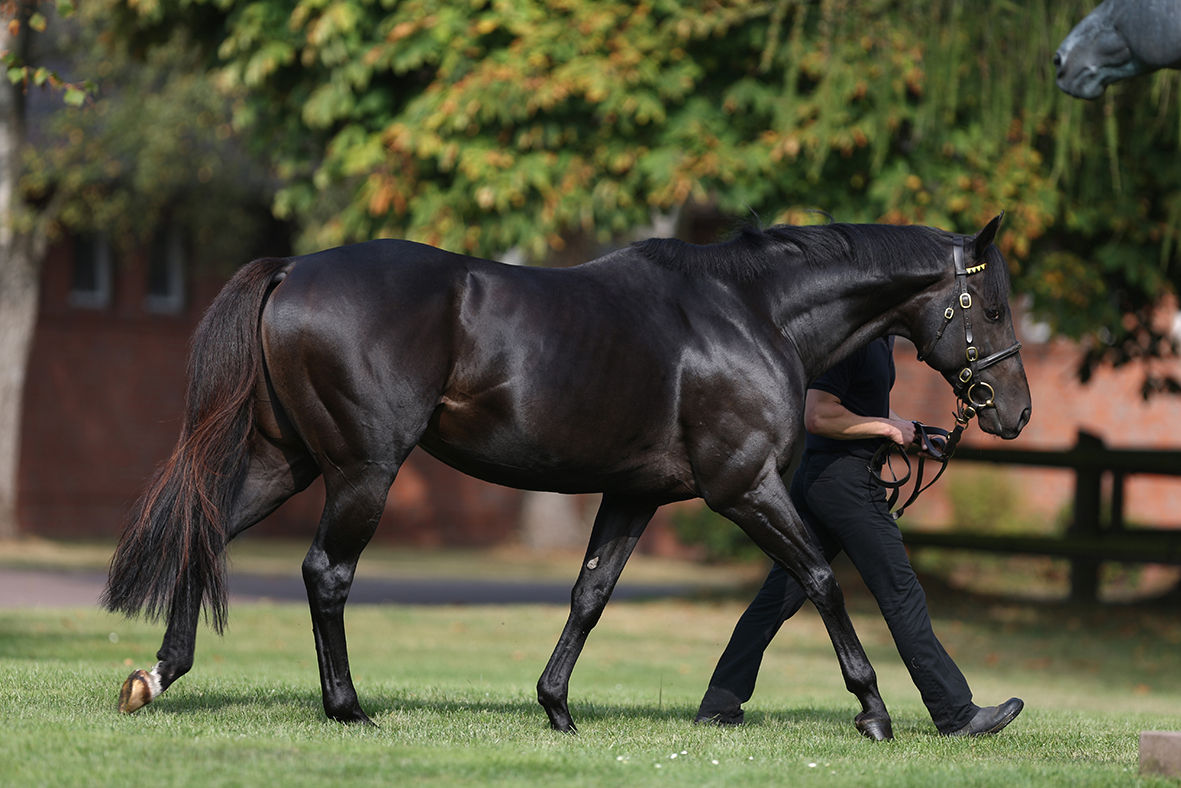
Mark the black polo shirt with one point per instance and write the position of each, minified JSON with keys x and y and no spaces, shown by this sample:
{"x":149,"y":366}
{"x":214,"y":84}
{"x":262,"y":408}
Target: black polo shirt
{"x":862,"y":383}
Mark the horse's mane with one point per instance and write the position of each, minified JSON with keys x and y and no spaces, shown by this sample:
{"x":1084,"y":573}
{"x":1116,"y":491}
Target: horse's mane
{"x":752,"y":252}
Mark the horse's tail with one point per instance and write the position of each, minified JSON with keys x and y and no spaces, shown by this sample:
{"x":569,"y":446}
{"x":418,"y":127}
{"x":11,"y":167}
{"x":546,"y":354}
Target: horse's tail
{"x":171,"y":557}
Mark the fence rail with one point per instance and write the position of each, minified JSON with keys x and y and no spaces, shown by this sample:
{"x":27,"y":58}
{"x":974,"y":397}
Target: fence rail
{"x":1087,"y":542}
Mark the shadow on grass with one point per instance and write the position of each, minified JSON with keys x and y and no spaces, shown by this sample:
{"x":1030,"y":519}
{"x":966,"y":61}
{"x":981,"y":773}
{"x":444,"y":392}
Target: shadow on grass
{"x":383,"y":707}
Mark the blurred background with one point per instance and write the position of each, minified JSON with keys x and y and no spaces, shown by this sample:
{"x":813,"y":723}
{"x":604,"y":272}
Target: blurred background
{"x":151,"y":147}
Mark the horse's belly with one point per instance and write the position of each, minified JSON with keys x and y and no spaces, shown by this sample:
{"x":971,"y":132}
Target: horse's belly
{"x":581,"y":466}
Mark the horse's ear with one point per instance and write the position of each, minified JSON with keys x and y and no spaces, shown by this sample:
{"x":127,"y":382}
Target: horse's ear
{"x":983,"y":238}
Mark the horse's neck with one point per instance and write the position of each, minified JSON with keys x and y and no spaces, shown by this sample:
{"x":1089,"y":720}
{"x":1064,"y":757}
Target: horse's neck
{"x":852,"y":309}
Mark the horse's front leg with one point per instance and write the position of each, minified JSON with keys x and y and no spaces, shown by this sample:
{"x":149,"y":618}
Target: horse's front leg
{"x":618,"y":526}
{"x":769,"y":517}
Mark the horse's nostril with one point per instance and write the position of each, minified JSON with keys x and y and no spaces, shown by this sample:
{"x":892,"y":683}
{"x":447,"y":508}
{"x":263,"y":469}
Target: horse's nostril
{"x":1057,"y":60}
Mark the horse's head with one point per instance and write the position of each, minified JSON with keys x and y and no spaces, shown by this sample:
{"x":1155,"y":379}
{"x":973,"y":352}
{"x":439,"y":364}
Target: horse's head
{"x":1096,"y":53}
{"x":972,"y":342}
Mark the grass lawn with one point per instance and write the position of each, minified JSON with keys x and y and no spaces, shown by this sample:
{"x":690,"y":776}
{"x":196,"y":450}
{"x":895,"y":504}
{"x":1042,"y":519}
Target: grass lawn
{"x":452,"y":692}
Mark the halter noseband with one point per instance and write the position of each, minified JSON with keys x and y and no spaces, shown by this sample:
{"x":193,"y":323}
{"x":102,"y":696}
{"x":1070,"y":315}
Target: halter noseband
{"x":966,"y":383}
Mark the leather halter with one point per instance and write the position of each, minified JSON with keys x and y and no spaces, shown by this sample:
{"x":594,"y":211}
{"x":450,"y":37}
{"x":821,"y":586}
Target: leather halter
{"x":939,"y":443}
{"x":967,"y":381}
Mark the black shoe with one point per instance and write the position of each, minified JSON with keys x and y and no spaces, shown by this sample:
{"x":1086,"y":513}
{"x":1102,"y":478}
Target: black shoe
{"x":991,"y":719}
{"x":719,"y":707}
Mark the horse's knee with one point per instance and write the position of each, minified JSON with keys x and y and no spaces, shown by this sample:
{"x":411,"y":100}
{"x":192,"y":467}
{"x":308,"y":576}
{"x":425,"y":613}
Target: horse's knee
{"x":820,"y":584}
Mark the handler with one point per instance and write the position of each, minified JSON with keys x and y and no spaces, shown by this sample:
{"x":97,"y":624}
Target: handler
{"x":847,"y":415}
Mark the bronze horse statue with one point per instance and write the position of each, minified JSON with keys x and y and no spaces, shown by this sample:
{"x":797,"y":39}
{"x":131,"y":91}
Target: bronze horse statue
{"x":661,"y":372}
{"x":1118,"y":40}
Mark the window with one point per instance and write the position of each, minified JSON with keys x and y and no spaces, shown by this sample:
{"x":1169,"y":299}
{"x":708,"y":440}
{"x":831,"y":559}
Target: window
{"x":166,"y":270}
{"x":91,"y":287}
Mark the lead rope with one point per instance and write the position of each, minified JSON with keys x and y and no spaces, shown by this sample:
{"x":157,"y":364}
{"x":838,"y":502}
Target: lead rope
{"x":882,"y":458}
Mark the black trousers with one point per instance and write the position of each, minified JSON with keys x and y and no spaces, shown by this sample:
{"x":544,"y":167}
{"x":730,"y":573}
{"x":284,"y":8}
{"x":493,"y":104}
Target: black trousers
{"x":845,"y":510}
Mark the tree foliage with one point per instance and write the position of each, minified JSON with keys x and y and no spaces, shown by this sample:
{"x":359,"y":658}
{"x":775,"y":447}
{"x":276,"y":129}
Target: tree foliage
{"x":16,"y":15}
{"x":150,"y":144}
{"x":479,"y":125}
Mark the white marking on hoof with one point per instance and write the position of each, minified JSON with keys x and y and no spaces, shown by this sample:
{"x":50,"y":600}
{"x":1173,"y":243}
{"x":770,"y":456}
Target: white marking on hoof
{"x":140,"y":689}
{"x":591,"y":564}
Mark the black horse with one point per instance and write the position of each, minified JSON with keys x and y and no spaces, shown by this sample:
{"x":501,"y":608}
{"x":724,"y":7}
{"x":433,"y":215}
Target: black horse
{"x":658,"y":373}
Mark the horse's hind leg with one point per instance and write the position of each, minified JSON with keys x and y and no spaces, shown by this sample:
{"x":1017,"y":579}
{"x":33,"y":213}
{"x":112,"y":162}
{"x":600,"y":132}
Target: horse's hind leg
{"x":769,"y":517}
{"x":173,"y":660}
{"x":274,"y":475}
{"x":353,"y":509}
{"x":618,"y":526}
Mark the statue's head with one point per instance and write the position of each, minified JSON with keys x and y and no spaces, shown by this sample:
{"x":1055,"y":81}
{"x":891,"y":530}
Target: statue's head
{"x":1096,"y":53}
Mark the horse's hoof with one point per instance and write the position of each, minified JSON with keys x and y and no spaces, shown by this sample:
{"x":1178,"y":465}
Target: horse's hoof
{"x":353,"y":716}
{"x":563,"y":724}
{"x":140,"y":689}
{"x":878,"y":729}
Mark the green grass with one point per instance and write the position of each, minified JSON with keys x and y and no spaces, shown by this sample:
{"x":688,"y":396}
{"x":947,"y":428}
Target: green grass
{"x":452,"y":692}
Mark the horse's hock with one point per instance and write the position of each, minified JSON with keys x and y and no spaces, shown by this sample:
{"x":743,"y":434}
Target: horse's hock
{"x":1160,"y":753}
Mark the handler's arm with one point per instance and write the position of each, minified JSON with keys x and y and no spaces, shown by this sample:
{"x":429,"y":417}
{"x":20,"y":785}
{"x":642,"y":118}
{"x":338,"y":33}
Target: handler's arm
{"x":824,"y":415}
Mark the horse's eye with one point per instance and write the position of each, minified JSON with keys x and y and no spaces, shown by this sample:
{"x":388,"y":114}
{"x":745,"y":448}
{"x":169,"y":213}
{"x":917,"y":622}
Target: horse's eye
{"x":992,"y":313}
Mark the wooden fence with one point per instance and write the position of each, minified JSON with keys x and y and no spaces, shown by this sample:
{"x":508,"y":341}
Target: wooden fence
{"x":1091,"y":538}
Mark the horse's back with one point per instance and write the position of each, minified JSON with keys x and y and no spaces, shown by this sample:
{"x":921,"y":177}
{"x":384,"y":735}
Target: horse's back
{"x":547,"y":378}
{"x":574,"y":380}
{"x":366,"y":277}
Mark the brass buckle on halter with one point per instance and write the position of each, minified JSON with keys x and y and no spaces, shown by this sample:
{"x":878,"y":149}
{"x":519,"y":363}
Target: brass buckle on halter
{"x":966,"y":300}
{"x":965,"y":375}
{"x":973,"y":354}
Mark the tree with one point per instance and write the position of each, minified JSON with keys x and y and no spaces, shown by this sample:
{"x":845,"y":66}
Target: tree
{"x":488,"y":124}
{"x":147,"y":144}
{"x":23,"y":237}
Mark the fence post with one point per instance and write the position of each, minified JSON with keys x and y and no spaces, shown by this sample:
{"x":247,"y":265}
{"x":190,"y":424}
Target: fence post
{"x":1084,"y":572}
{"x":1116,"y":526}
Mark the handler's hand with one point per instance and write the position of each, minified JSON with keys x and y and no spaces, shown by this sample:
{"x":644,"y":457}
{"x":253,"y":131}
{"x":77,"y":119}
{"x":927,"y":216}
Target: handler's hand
{"x":903,"y":432}
{"x":938,"y":443}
